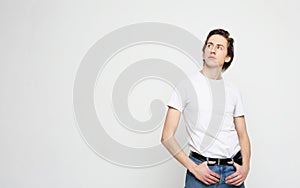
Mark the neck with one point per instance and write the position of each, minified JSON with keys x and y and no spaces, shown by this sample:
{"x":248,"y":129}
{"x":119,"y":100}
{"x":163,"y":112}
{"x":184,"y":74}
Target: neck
{"x":212,"y":73}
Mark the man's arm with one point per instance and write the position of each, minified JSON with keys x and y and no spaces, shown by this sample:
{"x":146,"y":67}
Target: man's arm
{"x":241,"y":173}
{"x":202,"y":172}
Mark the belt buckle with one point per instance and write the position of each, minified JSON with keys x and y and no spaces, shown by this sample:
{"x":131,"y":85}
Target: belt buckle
{"x":219,"y":161}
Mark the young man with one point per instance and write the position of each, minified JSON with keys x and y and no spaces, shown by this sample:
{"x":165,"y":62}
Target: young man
{"x":219,"y":144}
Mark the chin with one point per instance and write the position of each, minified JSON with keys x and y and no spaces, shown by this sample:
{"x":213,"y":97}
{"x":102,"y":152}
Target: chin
{"x":211,"y":63}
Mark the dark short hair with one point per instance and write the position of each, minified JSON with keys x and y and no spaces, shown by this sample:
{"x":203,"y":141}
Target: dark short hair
{"x":230,"y":49}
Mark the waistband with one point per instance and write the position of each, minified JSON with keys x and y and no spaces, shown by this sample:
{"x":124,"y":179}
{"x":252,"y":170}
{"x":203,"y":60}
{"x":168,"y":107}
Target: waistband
{"x":237,"y":158}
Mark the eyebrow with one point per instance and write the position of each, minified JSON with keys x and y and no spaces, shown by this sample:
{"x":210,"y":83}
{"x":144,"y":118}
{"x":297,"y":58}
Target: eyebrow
{"x":217,"y":44}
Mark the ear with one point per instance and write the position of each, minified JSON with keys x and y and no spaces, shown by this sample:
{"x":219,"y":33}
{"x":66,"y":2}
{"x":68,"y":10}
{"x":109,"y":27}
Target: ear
{"x":227,"y":59}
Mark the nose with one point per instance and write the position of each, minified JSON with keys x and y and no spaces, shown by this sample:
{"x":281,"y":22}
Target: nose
{"x":213,"y":50}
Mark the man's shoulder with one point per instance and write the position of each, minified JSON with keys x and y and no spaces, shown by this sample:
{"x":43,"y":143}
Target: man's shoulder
{"x":188,"y":78}
{"x":232,"y":87}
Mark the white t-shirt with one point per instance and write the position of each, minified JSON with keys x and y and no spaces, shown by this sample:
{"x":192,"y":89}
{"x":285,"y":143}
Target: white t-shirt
{"x":208,"y":107}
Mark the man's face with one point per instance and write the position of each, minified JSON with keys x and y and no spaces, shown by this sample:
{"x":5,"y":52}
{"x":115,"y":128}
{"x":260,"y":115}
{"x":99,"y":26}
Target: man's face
{"x":215,"y":53}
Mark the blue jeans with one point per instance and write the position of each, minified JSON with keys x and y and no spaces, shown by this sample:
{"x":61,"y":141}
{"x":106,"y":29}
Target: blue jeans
{"x":223,"y":170}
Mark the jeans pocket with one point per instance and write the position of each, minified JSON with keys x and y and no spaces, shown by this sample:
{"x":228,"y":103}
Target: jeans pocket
{"x":230,"y":169}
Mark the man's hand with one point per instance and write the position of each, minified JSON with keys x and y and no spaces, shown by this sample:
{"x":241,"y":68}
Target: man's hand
{"x":205,"y":175}
{"x":239,"y":176}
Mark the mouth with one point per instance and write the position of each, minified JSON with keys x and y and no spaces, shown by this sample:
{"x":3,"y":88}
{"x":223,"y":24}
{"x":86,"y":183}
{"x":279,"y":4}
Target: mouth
{"x":211,"y":57}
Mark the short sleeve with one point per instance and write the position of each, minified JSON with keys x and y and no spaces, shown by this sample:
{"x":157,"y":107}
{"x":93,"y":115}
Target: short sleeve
{"x":239,"y":109}
{"x":178,"y":98}
{"x":175,"y":101}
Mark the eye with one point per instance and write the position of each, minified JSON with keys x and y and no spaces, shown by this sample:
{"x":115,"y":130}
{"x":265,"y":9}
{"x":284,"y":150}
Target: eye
{"x":208,"y":45}
{"x":220,"y":47}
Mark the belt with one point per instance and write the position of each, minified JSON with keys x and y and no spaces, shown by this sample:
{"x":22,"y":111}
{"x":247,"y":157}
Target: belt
{"x":237,"y":158}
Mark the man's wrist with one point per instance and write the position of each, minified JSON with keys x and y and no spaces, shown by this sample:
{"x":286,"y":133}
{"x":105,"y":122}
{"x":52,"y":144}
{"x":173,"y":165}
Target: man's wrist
{"x":246,"y":167}
{"x":192,"y":167}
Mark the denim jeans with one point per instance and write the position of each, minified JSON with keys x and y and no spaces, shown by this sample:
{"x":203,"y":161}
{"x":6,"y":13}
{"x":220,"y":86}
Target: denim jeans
{"x":223,"y":170}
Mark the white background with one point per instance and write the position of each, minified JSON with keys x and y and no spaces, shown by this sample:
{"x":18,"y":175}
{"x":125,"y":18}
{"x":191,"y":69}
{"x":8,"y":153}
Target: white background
{"x":43,"y":42}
